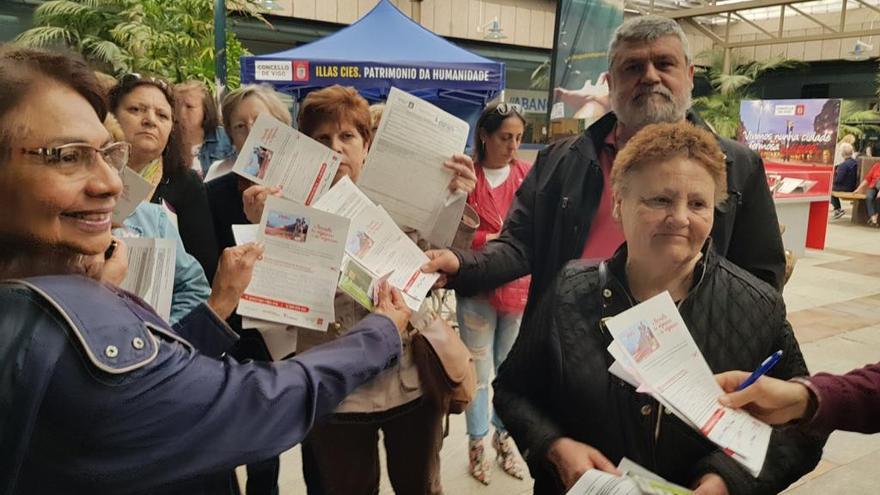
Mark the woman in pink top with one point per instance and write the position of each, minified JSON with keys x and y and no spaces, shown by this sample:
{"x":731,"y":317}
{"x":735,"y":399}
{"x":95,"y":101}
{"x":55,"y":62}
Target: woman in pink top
{"x":489,"y":323}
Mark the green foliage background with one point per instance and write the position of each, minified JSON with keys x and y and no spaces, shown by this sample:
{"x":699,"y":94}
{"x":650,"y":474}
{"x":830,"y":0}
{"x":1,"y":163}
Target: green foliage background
{"x":169,"y":38}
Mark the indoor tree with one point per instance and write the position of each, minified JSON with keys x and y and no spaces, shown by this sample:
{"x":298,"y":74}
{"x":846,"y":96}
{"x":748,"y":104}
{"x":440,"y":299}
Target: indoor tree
{"x":721,"y":108}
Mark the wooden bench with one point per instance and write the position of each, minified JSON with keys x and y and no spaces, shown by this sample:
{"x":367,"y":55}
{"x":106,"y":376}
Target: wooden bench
{"x":859,"y":212}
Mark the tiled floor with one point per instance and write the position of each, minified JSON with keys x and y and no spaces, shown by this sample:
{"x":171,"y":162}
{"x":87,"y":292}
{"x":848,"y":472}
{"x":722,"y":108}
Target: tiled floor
{"x":833,"y":300}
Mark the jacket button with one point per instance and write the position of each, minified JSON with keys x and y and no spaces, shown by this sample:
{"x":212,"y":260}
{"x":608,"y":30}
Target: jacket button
{"x":137,"y":343}
{"x":606,"y":292}
{"x":646,"y":410}
{"x":111,"y":351}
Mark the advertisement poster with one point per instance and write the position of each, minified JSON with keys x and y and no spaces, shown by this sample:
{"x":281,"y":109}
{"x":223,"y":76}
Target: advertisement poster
{"x":792,"y":132}
{"x":584,"y":29}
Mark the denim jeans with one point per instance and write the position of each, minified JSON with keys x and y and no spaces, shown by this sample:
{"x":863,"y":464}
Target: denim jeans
{"x":489,"y":335}
{"x":871,"y":201}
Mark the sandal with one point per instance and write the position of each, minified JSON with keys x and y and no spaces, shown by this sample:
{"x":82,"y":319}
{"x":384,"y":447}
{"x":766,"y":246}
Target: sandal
{"x":477,"y":466}
{"x":506,"y":455}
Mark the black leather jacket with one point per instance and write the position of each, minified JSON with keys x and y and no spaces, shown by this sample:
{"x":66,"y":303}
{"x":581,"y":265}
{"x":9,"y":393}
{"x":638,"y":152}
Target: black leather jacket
{"x":555,"y":381}
{"x":548,"y":223}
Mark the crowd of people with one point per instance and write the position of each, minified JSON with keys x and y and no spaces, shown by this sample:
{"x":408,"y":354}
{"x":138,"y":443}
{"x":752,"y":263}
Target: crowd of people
{"x":102,"y":395}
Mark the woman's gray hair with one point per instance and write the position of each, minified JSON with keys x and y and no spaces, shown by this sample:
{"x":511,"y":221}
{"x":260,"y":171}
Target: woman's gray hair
{"x":262,"y":91}
{"x":647,"y":29}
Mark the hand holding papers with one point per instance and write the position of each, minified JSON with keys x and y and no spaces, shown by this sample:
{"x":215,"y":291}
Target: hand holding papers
{"x":655,"y":349}
{"x":636,"y":480}
{"x":295,"y":281}
{"x":275,"y":154}
{"x":375,"y":247}
{"x":404,"y":172}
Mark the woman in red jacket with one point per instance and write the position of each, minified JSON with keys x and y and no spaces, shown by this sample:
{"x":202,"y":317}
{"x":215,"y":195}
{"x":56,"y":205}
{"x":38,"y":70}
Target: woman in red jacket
{"x":869,"y":186}
{"x":489,"y":323}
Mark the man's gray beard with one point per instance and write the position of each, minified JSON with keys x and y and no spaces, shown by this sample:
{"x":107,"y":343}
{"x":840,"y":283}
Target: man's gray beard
{"x":636,"y":117}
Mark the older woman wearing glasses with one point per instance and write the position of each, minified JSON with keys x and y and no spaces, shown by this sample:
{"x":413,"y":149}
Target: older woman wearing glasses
{"x":100,"y":395}
{"x":489,"y":322}
{"x":144,"y":107}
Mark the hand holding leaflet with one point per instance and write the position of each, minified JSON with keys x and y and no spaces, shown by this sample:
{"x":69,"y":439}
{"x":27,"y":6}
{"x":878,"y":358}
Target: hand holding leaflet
{"x":635,"y":480}
{"x":276,"y":154}
{"x":295,"y":281}
{"x":657,"y":350}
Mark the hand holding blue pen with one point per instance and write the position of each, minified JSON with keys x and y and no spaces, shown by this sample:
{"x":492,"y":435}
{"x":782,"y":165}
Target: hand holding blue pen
{"x":765,"y":367}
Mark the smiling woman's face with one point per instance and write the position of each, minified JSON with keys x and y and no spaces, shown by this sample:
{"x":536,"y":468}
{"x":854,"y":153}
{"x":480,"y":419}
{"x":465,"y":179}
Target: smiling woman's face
{"x":42,"y":203}
{"x":666,"y":211}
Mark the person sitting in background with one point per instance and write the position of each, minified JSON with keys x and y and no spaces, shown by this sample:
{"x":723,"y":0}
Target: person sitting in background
{"x":869,"y":186}
{"x":204,"y":141}
{"x":144,"y":107}
{"x":489,"y":322}
{"x":821,"y":403}
{"x":569,"y":414}
{"x":100,"y":395}
{"x":846,"y":176}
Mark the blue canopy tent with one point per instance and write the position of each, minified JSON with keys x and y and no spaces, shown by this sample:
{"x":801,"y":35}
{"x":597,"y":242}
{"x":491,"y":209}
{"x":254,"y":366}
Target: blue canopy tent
{"x":384,"y":48}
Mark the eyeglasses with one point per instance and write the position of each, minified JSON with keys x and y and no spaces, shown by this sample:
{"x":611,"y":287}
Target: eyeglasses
{"x":77,"y":159}
{"x":505,"y":109}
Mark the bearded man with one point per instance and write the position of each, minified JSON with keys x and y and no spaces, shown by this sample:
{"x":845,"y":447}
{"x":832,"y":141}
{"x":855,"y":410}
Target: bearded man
{"x":563,"y":207}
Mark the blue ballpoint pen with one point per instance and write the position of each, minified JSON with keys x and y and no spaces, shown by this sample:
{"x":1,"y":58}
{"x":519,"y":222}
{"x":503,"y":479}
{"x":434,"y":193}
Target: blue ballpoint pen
{"x":766,"y":366}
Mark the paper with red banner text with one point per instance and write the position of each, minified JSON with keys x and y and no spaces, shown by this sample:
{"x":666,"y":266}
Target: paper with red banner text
{"x":295,"y":281}
{"x":655,"y":348}
{"x":276,"y":154}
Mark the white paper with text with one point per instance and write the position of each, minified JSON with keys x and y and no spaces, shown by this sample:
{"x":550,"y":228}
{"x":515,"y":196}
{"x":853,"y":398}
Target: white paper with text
{"x":404,"y":171}
{"x":151,"y":264}
{"x":663,"y":356}
{"x":276,"y":154}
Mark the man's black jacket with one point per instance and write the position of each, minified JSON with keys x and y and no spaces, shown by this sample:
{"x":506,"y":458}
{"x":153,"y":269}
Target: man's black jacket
{"x":548,"y":223}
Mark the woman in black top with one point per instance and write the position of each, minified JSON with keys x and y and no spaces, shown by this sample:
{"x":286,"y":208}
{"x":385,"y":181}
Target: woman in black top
{"x":144,"y":107}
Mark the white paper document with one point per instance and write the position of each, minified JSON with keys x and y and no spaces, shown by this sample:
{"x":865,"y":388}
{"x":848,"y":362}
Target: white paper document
{"x":404,"y":171}
{"x":276,"y":154}
{"x":378,"y":245}
{"x":295,"y":281}
{"x":151,"y":272}
{"x":634,"y":480}
{"x":135,"y":190}
{"x":656,"y":349}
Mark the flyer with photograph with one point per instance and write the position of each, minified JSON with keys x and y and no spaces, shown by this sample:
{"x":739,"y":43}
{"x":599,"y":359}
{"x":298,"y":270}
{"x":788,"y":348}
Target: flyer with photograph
{"x":276,"y":154}
{"x":404,"y":171}
{"x":296,"y":280}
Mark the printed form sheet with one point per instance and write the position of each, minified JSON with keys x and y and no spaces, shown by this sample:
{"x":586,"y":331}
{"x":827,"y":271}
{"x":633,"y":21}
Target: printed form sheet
{"x":276,"y":154}
{"x":656,"y":349}
{"x":404,"y":172}
{"x":295,"y":281}
{"x":377,"y":245}
{"x":151,"y":264}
